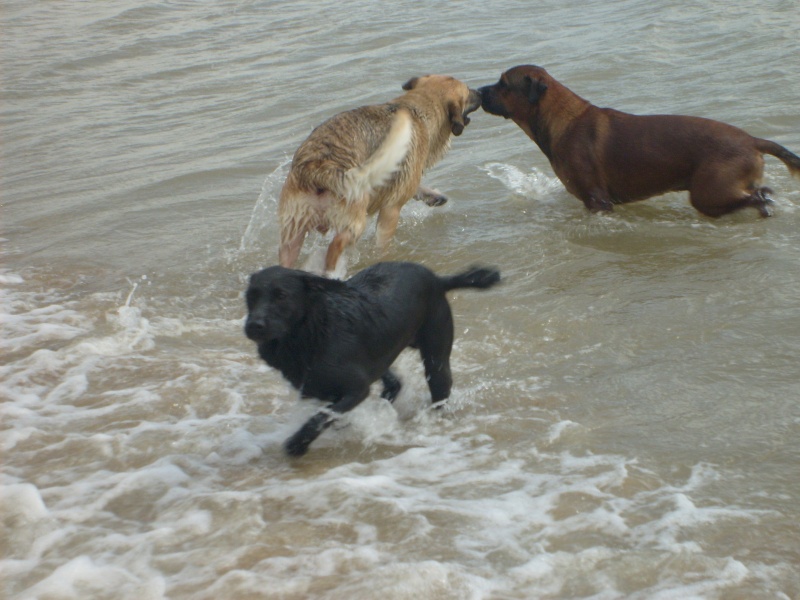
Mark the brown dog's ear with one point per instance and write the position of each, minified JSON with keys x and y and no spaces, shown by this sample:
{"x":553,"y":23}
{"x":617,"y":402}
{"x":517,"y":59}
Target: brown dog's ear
{"x":409,"y":85}
{"x":457,"y":123}
{"x":536,"y":89}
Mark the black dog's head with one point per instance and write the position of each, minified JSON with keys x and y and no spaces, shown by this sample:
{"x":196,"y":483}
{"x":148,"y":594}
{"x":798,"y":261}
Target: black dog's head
{"x":277,"y":301}
{"x":517,"y":93}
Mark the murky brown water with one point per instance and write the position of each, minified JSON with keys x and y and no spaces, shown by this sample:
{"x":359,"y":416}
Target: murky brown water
{"x":625,"y":417}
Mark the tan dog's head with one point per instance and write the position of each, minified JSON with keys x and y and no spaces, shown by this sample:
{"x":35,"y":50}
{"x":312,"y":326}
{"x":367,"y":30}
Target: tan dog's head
{"x":518,"y":92}
{"x":459,"y":100}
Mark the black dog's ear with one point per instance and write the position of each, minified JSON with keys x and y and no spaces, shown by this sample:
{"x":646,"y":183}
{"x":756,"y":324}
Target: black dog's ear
{"x":410,"y":84}
{"x":535,"y":90}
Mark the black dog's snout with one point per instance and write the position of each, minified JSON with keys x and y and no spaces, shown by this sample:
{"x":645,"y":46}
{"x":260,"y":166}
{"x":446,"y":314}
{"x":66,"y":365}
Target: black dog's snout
{"x":255,"y":329}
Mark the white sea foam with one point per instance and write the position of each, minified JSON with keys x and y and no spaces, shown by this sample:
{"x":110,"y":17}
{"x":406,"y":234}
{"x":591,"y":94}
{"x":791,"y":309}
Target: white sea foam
{"x":535,"y":184}
{"x":187,"y":454}
{"x":623,"y":421}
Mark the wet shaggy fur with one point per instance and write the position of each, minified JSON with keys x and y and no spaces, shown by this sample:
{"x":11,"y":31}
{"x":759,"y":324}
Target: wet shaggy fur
{"x":370,"y":160}
{"x":606,"y":157}
{"x":331,"y":339}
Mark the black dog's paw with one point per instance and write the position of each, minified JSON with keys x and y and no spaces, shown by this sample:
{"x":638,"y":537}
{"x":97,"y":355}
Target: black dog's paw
{"x":391,"y":386}
{"x":296,"y":446}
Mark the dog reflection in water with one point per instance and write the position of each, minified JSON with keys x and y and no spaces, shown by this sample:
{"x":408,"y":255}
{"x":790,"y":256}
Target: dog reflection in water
{"x":331,"y":339}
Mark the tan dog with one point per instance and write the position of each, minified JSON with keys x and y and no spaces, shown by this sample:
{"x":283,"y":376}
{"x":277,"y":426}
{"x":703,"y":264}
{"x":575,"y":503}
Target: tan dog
{"x":605,"y":157}
{"x":369,"y":160}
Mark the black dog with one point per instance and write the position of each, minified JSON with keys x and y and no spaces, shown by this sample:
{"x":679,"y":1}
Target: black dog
{"x":331,"y":339}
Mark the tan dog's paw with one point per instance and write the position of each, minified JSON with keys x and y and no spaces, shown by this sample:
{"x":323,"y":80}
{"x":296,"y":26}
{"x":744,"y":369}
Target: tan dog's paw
{"x":430,"y":196}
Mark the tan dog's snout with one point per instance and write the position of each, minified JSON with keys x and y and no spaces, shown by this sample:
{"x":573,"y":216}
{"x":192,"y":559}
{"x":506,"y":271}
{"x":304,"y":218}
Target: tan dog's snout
{"x":458,"y":119}
{"x":473,"y":103}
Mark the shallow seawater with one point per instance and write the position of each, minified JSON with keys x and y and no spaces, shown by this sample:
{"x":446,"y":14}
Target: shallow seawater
{"x":625,"y":416}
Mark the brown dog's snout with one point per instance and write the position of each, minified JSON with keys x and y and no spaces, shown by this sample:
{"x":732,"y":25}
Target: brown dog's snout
{"x":485,"y":94}
{"x":490,"y":102}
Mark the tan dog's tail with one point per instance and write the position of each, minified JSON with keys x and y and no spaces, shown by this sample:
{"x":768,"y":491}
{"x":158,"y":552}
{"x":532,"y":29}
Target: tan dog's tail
{"x":792,"y":161}
{"x":384,"y":162}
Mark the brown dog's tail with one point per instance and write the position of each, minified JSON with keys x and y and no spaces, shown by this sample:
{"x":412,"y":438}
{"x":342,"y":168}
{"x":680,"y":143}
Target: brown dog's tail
{"x":792,"y":161}
{"x":475,"y":277}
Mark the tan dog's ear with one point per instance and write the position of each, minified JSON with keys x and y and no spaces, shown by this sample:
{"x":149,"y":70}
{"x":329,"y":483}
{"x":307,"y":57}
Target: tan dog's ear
{"x":409,"y":85}
{"x":457,"y":123}
{"x":535,"y":90}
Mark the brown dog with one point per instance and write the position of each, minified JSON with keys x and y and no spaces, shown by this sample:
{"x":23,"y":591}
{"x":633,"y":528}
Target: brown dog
{"x":369,"y":160}
{"x":606,"y":157}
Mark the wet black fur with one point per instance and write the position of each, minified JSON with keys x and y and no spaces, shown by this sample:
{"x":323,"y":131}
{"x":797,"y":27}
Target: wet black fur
{"x":331,"y":339}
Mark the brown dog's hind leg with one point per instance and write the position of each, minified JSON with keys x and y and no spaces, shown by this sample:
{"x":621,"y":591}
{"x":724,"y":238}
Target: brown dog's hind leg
{"x":761,"y":201}
{"x":720,"y":188}
{"x":717,"y":200}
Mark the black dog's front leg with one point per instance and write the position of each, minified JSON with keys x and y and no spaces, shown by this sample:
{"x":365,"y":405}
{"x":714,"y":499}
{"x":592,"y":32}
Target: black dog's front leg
{"x":298,"y":444}
{"x":391,"y":386}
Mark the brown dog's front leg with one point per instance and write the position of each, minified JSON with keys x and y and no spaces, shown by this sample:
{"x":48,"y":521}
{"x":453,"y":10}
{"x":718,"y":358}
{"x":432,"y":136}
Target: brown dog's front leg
{"x":598,"y":202}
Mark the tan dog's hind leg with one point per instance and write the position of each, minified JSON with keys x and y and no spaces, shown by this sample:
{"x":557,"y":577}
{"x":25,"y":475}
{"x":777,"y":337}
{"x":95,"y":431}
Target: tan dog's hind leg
{"x":296,"y":209}
{"x":291,"y":243}
{"x":341,"y":241}
{"x":388,"y":217}
{"x":430,"y":196}
{"x":348,"y":219}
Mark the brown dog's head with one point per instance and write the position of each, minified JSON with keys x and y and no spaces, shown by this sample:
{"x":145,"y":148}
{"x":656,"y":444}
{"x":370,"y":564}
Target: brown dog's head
{"x":458,"y":99}
{"x":517,"y":93}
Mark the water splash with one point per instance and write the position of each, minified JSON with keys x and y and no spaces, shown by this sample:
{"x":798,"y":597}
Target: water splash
{"x":266,"y":207}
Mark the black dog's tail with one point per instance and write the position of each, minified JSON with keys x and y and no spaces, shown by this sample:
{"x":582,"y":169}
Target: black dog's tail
{"x":475,"y":277}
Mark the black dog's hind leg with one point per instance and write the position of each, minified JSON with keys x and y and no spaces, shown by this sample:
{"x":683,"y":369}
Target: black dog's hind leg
{"x":298,"y":444}
{"x":435,"y":342}
{"x":391,"y":386}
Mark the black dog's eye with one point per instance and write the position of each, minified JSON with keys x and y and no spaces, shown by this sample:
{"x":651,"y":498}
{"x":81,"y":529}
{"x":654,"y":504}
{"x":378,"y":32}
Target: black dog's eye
{"x":277,"y":295}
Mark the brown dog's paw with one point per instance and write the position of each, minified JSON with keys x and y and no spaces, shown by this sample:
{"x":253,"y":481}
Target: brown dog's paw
{"x":599,"y":204}
{"x":761,"y":201}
